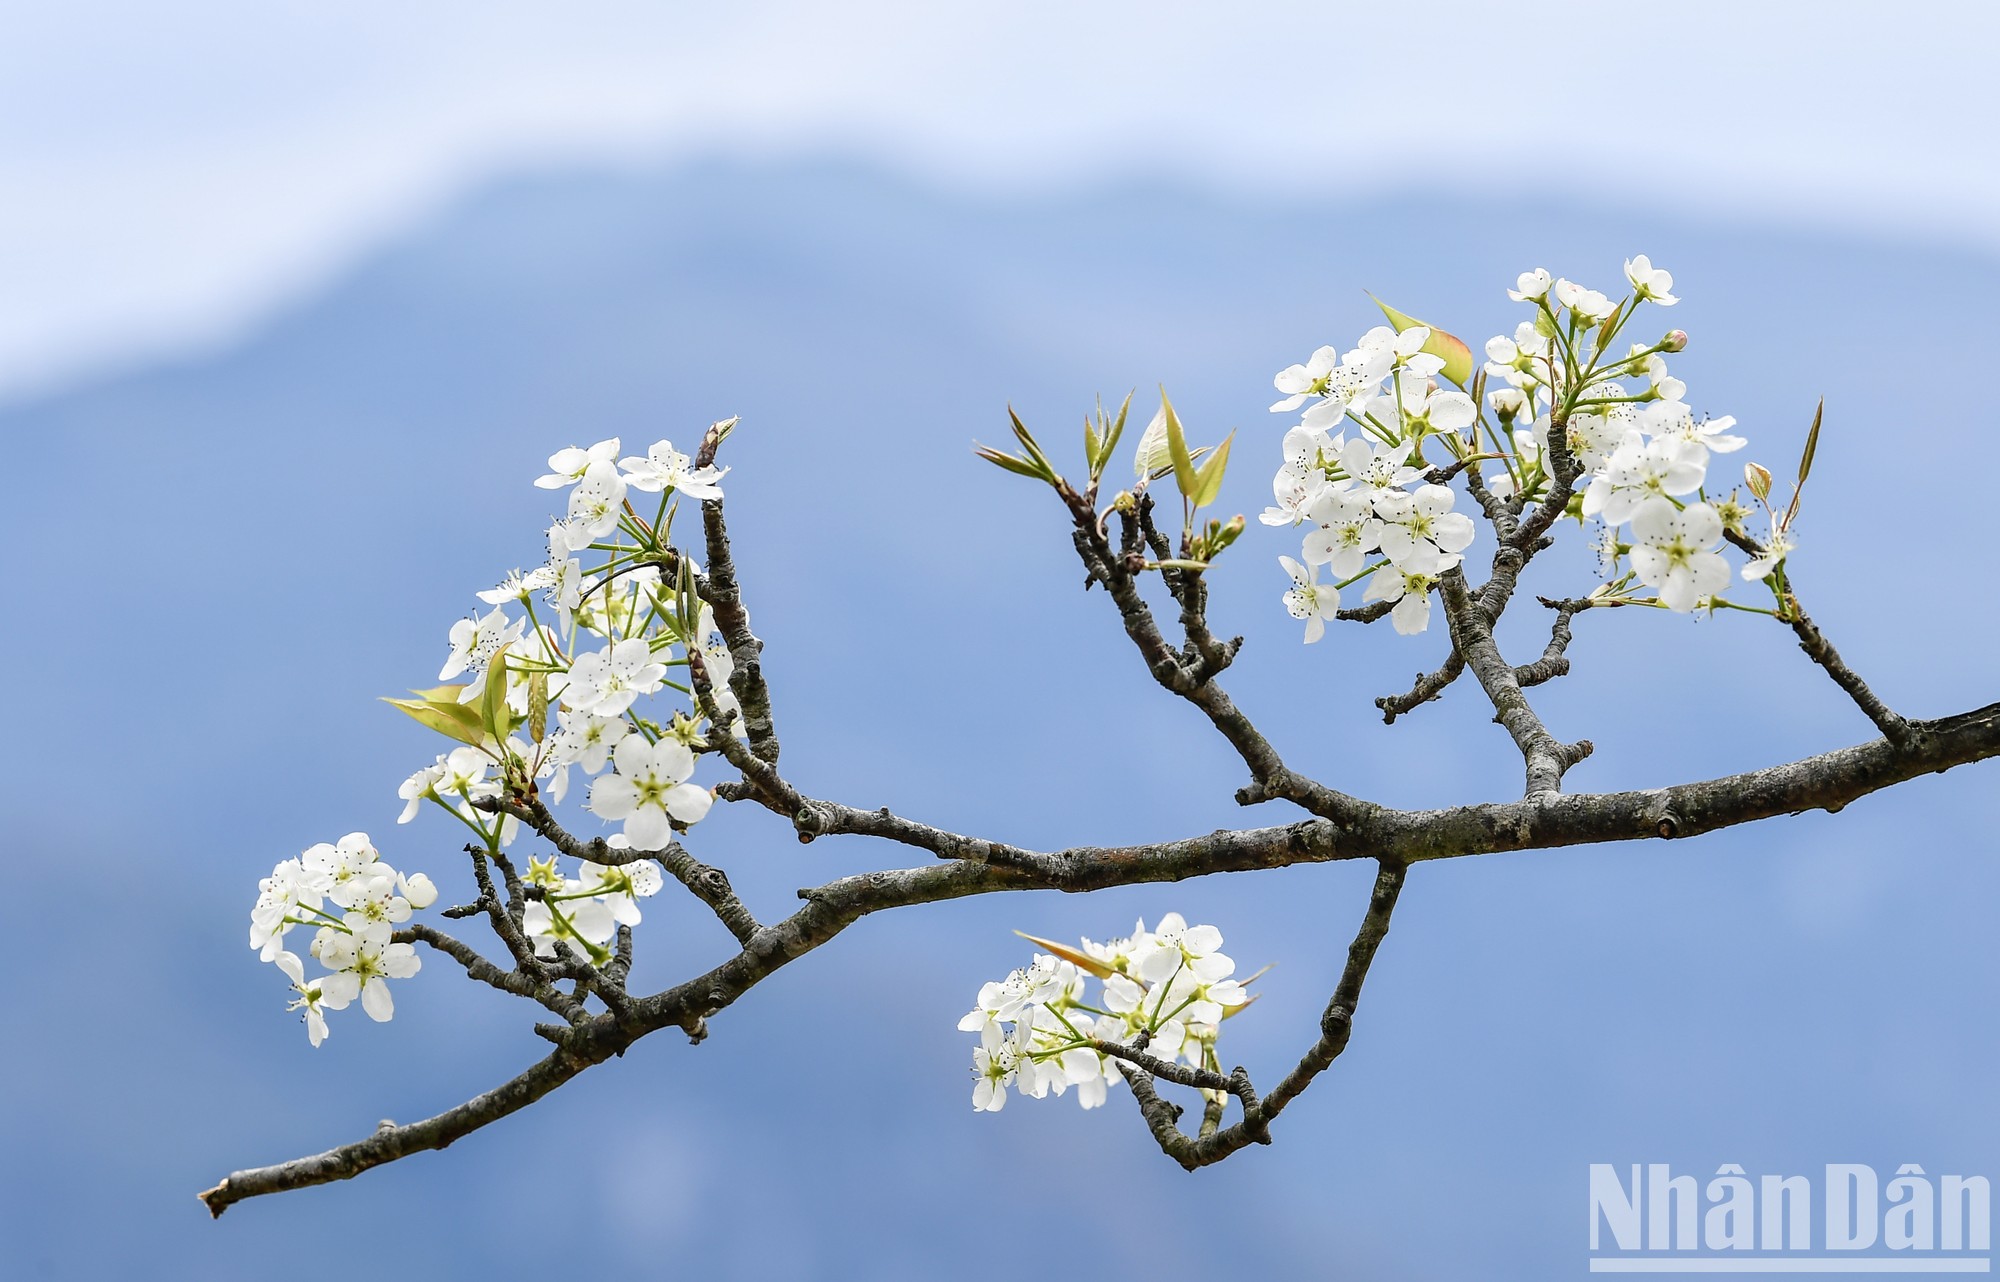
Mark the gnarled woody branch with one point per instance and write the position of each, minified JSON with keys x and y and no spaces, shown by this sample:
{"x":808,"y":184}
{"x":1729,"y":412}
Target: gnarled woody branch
{"x":1341,"y":827}
{"x":1829,"y":781}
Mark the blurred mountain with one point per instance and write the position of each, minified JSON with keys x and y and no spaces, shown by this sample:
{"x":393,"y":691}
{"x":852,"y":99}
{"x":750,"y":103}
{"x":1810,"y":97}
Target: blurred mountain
{"x":225,"y":559}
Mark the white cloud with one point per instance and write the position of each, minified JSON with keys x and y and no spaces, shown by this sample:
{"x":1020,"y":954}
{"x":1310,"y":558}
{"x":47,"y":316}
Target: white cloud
{"x":173,"y":169}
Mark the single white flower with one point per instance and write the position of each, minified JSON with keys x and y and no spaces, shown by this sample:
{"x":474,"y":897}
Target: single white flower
{"x":1671,"y":420}
{"x":1640,"y":472}
{"x":309,"y":998}
{"x":363,"y":968}
{"x":594,"y":505}
{"x":1584,"y":302}
{"x":1300,"y":382}
{"x":1309,"y":599}
{"x":665,"y":467}
{"x":1420,"y":532}
{"x":1673,"y":553}
{"x":650,"y":787}
{"x":567,"y":466}
{"x":1348,"y":531}
{"x":1532,"y":286}
{"x":1649,"y":282}
{"x":418,"y":889}
{"x":292,"y":888}
{"x":1378,"y":470}
{"x":475,"y":641}
{"x":417,"y":787}
{"x":1410,"y":590}
{"x":992,"y":1072}
{"x":1175,"y":946}
{"x":607,"y":682}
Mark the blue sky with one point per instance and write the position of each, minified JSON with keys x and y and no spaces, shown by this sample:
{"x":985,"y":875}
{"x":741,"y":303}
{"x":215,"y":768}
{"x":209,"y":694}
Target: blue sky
{"x":184,"y":169}
{"x":293,"y":516}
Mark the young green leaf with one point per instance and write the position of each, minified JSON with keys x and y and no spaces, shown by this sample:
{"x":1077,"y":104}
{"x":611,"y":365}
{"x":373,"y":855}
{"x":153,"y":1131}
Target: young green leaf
{"x":1113,"y":432}
{"x":1177,"y":447}
{"x":1450,"y":348}
{"x":1018,"y":466}
{"x":1208,"y":481}
{"x":1805,"y":463}
{"x":493,"y":714}
{"x":1081,"y":960}
{"x":453,"y":720}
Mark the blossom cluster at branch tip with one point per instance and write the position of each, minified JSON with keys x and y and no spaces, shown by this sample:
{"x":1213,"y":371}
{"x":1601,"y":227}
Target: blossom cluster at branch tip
{"x":1165,"y":991}
{"x":1354,"y":490}
{"x":352,"y":940}
{"x":1355,"y":472}
{"x":584,"y":912}
{"x":558,"y":672}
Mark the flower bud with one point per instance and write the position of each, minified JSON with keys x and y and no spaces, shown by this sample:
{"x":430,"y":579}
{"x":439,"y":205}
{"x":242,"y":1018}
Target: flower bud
{"x":1506,"y":402}
{"x":1758,"y":477}
{"x":1675,"y":341}
{"x":419,"y":890}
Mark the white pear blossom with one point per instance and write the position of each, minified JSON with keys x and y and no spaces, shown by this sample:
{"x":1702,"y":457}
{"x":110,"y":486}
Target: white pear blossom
{"x":1309,"y":599}
{"x":362,"y":968}
{"x":1777,"y":547}
{"x":650,"y":788}
{"x":1378,"y":471}
{"x":1650,"y":283}
{"x":474,"y":642}
{"x":1410,"y":590}
{"x":1420,"y":531}
{"x":1671,"y":420}
{"x":594,"y":505}
{"x":665,"y":467}
{"x":1673,"y":553}
{"x":1531,"y":287}
{"x":608,"y":681}
{"x":1303,"y":476}
{"x":419,"y":786}
{"x":1585,"y":302}
{"x":567,"y":466}
{"x":1640,"y":472}
{"x":1347,"y":532}
{"x":309,"y":996}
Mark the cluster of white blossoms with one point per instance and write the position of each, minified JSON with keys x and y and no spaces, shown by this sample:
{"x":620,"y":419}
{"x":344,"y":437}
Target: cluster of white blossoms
{"x":351,"y":939}
{"x":607,"y":635}
{"x":1354,"y":489}
{"x":1165,"y":991}
{"x":585,"y":911}
{"x":559,"y":673}
{"x":1644,"y":455}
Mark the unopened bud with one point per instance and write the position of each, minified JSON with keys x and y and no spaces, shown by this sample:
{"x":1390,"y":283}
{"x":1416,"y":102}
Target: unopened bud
{"x":1506,"y":402}
{"x":1221,"y":536}
{"x":1758,"y":477}
{"x":1675,"y":341}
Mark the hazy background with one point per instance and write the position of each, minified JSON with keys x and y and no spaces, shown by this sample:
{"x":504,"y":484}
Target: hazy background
{"x":298,"y":299}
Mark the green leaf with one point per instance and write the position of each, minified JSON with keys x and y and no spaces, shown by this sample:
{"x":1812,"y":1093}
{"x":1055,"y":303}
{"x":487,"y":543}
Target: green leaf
{"x":1805,"y":464}
{"x":452,"y":719}
{"x":493,"y":714}
{"x":1177,"y":447}
{"x":1208,"y":481}
{"x":1029,"y":443}
{"x":1090,"y":443}
{"x":1018,"y":466}
{"x":1812,"y":443}
{"x":1081,"y":960}
{"x":1457,"y":356}
{"x":1113,"y":432}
